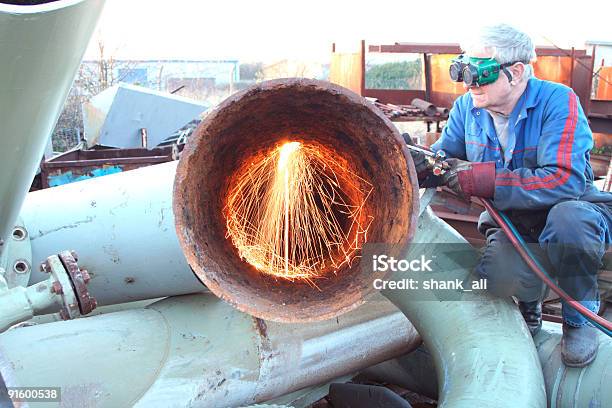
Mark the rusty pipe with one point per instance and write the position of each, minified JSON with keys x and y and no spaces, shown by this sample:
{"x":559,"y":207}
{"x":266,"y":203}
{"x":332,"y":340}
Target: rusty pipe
{"x":427,"y":107}
{"x":252,"y":121}
{"x":442,"y":111}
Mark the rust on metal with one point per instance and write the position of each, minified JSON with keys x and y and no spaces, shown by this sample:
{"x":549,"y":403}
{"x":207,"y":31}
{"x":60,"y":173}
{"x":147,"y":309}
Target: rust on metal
{"x":406,"y":113}
{"x":57,"y":288}
{"x":82,"y":164}
{"x":261,"y":327}
{"x":79,"y":281}
{"x":86,"y":277}
{"x":255,"y":120}
{"x":263,"y":340}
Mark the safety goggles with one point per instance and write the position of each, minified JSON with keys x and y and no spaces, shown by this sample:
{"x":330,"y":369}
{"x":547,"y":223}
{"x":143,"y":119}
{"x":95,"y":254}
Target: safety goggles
{"x":477,"y":71}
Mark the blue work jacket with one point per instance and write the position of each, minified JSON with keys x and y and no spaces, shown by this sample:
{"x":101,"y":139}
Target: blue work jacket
{"x":547,"y":157}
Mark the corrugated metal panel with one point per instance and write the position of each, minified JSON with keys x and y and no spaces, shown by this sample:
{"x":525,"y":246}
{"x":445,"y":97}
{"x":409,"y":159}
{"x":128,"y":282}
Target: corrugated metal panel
{"x":557,"y":69}
{"x":132,"y":108}
{"x":440,"y":80}
{"x":346,"y":70}
{"x":604,"y":87}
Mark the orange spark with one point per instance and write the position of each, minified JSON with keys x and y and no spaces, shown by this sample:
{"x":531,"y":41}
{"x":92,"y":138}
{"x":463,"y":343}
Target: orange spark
{"x":298,"y":212}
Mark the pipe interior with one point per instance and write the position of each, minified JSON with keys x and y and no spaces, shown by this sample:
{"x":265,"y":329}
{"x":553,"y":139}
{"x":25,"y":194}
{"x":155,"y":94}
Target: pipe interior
{"x":252,"y":122}
{"x":338,"y":169}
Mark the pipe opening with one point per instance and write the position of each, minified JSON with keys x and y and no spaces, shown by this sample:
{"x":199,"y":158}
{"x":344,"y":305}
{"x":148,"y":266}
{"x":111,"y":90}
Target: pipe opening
{"x":230,"y":194}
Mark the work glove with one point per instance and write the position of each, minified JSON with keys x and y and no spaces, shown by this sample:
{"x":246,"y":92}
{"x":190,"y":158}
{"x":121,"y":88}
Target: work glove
{"x":470,"y":179}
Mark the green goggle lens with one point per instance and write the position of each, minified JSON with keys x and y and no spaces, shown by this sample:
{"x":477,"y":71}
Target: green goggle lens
{"x":475,"y":71}
{"x":456,"y":73}
{"x":470,"y":75}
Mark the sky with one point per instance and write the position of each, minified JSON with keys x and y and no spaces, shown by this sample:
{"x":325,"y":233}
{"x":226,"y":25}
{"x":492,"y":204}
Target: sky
{"x":273,"y":30}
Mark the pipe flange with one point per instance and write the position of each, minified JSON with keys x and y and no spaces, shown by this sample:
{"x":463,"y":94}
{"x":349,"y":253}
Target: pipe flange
{"x":79,"y":278}
{"x":70,"y":282}
{"x":62,"y":286}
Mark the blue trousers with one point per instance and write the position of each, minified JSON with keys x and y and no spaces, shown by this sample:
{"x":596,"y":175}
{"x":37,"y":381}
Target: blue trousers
{"x":569,"y":240}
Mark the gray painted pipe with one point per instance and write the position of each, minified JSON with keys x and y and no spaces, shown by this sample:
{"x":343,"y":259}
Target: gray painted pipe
{"x":482,"y":350}
{"x":121,"y":227}
{"x":198,"y":351}
{"x":565,"y":387}
{"x":41,"y":49}
{"x":590,"y":386}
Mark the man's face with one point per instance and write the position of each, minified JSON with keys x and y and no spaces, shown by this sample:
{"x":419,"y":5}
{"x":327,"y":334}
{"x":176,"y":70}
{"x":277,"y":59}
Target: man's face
{"x":491,"y":95}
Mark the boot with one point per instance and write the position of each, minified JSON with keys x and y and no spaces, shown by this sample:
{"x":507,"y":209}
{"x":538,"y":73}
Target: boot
{"x":532,"y":313}
{"x":579,"y":345}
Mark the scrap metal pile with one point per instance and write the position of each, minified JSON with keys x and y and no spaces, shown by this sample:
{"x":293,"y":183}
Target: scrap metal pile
{"x":417,"y":110}
{"x":194,"y":266}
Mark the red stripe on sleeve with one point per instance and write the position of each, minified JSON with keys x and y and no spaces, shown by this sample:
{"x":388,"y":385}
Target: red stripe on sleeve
{"x":564,"y":158}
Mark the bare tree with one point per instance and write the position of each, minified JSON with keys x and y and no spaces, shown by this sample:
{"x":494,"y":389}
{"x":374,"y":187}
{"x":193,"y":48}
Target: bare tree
{"x":93,"y":77}
{"x":97,"y":75}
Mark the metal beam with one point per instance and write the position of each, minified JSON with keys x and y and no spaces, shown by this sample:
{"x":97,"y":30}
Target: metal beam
{"x":453,"y":48}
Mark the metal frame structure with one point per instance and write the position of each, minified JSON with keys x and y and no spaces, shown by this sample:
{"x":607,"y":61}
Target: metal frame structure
{"x":580,"y":77}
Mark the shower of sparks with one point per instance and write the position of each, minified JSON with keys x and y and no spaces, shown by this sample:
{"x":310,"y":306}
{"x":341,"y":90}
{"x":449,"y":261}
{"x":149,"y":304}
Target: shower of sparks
{"x":298,"y":212}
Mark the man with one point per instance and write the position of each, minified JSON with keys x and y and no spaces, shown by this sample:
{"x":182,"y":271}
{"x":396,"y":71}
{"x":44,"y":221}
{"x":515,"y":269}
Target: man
{"x":524,"y":143}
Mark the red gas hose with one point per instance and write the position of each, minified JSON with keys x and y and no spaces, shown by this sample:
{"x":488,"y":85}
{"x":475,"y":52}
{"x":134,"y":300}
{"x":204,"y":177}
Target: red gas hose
{"x":542,"y":275}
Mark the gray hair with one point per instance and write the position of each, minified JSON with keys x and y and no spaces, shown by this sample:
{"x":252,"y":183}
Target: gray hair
{"x":506,"y":43}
